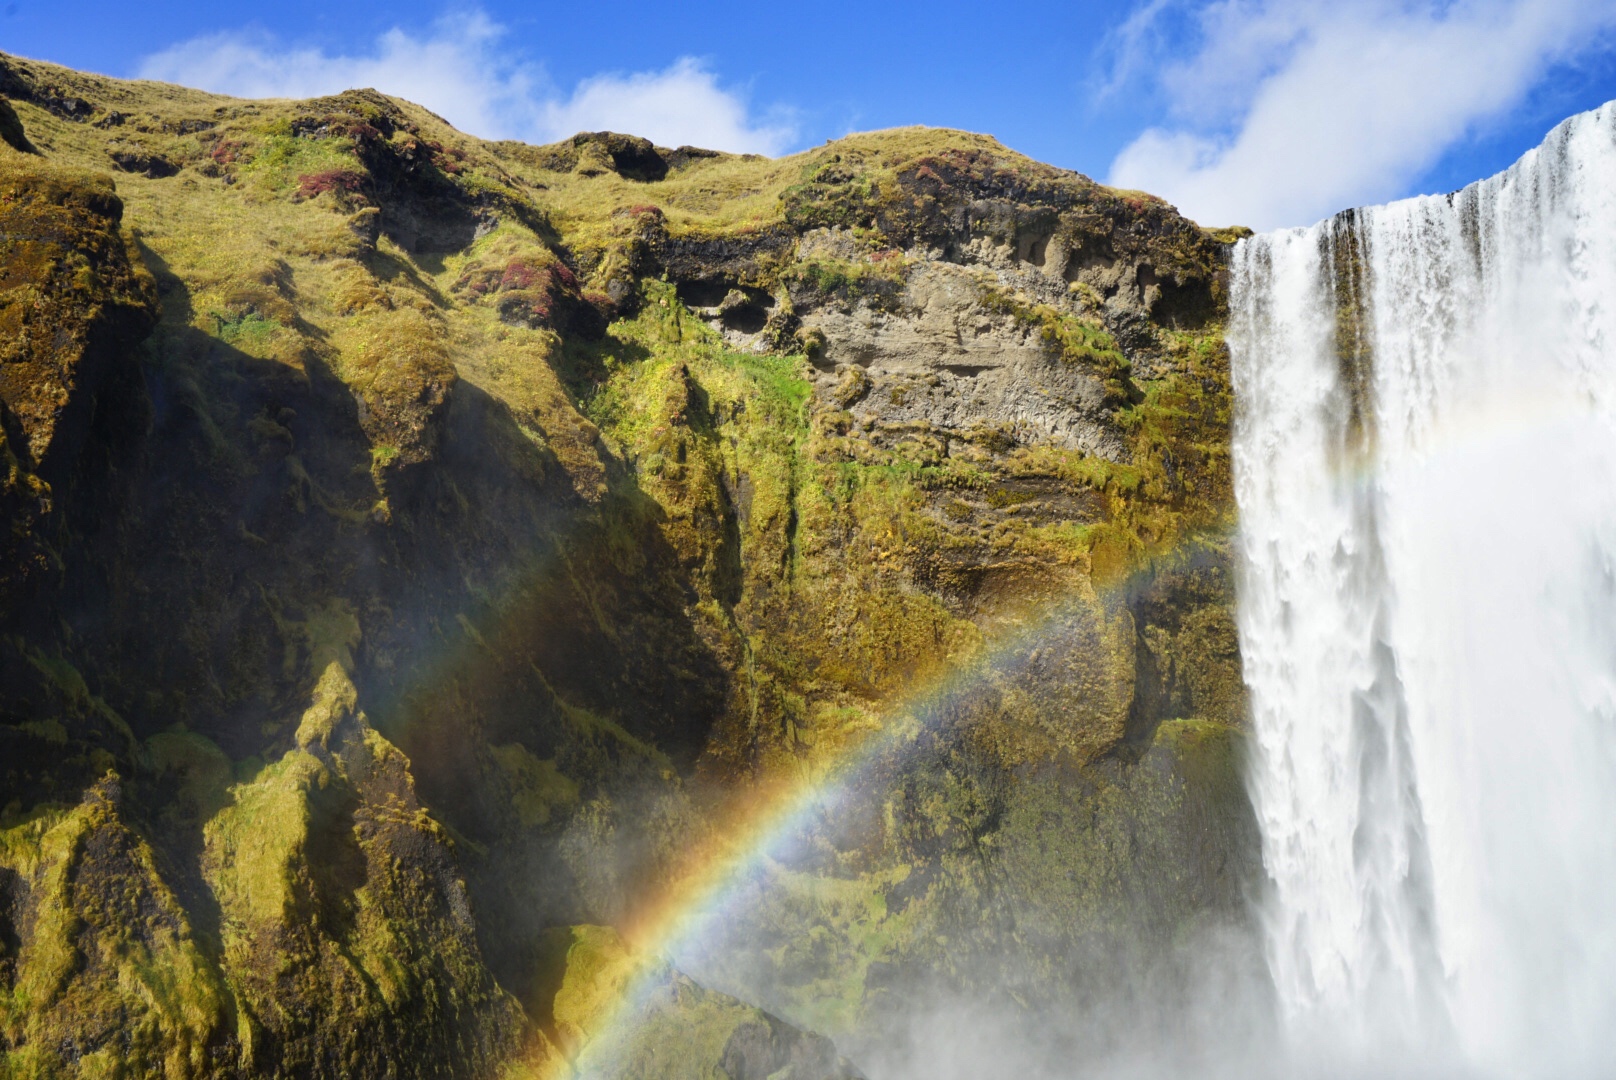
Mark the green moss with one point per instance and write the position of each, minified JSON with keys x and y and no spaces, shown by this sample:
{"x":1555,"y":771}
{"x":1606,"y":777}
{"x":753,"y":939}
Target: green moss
{"x":538,"y":789}
{"x":249,"y":331}
{"x":878,"y":282}
{"x":1179,"y":435}
{"x":668,"y":1027}
{"x":1229,"y":235}
{"x":110,"y":950}
{"x":203,"y":771}
{"x":281,"y":159}
{"x":1079,"y":340}
{"x":1002,"y":498}
{"x":254,"y":844}
{"x":311,"y":856}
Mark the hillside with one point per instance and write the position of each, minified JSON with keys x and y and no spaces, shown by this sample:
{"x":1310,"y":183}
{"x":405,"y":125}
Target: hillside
{"x":417,"y":550}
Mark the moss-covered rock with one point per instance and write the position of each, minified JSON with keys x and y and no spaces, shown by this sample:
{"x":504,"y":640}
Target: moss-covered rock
{"x":435,"y":536}
{"x":346,"y":932}
{"x":620,"y":1013}
{"x":73,"y":303}
{"x":11,"y":132}
{"x":73,"y":295}
{"x":108,"y":973}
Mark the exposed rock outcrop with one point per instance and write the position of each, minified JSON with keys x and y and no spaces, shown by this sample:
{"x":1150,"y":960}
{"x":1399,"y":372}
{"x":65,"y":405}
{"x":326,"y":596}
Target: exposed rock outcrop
{"x":11,"y":132}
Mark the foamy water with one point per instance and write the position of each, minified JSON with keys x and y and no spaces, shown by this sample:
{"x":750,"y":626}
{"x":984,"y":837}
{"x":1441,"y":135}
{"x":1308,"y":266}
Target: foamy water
{"x":1425,"y":462}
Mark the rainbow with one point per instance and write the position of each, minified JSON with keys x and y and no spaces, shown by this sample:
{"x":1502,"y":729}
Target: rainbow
{"x":756,"y":822}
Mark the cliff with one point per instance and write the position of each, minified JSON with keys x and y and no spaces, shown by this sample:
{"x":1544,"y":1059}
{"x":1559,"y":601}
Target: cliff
{"x":412,"y":544}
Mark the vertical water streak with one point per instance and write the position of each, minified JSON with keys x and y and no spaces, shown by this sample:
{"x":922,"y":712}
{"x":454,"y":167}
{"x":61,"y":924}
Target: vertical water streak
{"x":1349,"y":928}
{"x":1425,"y":462}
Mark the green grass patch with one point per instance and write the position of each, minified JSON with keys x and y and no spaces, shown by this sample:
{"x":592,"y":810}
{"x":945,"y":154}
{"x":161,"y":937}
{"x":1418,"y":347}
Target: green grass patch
{"x":282,"y":158}
{"x":248,"y":331}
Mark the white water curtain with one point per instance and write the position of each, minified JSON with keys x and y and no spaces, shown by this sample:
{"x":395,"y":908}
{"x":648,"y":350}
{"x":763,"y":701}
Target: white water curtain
{"x":1425,"y":461}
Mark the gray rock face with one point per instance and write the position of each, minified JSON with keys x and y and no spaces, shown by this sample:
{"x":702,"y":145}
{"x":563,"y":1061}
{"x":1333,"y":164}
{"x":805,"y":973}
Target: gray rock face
{"x":940,"y":347}
{"x":948,"y":362}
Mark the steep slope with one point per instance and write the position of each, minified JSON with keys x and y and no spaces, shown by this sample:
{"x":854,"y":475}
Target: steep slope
{"x":413,"y":543}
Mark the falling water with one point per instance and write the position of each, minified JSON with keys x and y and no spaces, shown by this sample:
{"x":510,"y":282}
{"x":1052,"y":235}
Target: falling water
{"x":1426,"y":471}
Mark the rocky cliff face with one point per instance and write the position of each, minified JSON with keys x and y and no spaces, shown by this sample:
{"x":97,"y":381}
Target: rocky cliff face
{"x":412,"y":542}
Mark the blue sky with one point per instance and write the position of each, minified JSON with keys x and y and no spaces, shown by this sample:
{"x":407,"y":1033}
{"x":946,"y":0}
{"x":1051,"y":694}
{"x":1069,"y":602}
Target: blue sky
{"x":1267,"y":112}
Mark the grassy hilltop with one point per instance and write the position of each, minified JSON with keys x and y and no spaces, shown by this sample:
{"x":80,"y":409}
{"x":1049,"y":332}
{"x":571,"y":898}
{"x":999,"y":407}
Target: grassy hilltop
{"x":411,"y":544}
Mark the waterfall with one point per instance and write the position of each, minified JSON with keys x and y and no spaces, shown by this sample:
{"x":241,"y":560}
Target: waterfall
{"x":1425,"y":465}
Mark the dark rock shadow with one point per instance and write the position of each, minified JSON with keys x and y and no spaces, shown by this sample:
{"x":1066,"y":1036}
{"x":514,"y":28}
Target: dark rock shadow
{"x":222,"y":521}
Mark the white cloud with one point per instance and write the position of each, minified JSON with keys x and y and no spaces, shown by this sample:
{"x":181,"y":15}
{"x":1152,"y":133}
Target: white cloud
{"x":682,"y":105}
{"x":460,"y":71}
{"x":1292,"y":109}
